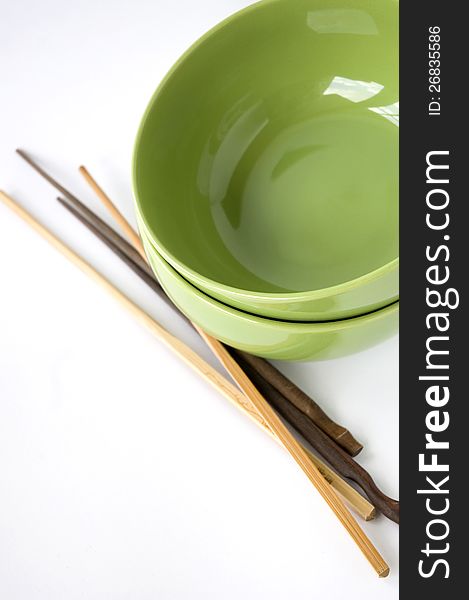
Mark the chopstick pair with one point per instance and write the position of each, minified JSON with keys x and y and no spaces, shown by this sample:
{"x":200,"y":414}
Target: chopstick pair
{"x":273,"y":382}
{"x":243,"y":381}
{"x":362,"y":507}
{"x":326,"y":447}
{"x":273,"y":421}
{"x":287,"y":388}
{"x":315,"y":436}
{"x":210,"y":374}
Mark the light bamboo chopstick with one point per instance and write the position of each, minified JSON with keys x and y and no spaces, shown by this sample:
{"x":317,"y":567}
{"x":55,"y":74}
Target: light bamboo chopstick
{"x":360,"y":504}
{"x":116,"y":214}
{"x":273,"y":421}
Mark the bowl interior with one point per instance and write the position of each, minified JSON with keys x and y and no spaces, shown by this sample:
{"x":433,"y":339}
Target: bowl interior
{"x":268,"y":158}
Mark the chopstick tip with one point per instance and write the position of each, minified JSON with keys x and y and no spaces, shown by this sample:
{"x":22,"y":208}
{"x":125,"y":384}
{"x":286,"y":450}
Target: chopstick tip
{"x":384,"y":572}
{"x":25,"y":156}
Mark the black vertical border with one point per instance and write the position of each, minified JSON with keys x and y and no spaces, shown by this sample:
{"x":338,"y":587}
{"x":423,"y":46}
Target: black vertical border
{"x":419,"y":134}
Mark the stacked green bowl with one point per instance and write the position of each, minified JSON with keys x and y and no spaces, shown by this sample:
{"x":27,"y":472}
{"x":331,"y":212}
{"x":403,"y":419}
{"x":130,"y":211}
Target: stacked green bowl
{"x":266,"y":178}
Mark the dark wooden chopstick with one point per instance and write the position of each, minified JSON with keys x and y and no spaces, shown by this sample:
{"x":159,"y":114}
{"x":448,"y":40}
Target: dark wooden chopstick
{"x":302,"y":402}
{"x":338,"y":458}
{"x":110,"y":232}
{"x":95,"y":225}
{"x":294,"y":394}
{"x":342,"y":462}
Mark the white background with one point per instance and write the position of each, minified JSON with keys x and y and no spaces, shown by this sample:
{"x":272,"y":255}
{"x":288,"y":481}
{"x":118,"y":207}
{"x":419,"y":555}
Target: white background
{"x":122,"y":475}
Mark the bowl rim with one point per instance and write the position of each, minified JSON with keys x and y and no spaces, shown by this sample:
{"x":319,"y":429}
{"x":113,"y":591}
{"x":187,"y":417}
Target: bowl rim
{"x":261,"y":297}
{"x":287,"y":326}
{"x":191,"y":274}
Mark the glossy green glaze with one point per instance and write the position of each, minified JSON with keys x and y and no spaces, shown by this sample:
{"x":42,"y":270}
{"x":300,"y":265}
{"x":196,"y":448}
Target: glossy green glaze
{"x":266,"y":165}
{"x":269,"y":338}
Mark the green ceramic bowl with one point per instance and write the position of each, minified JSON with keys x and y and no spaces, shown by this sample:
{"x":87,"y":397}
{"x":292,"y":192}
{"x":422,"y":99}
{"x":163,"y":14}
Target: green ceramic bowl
{"x":268,"y":337}
{"x":266,"y":165}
